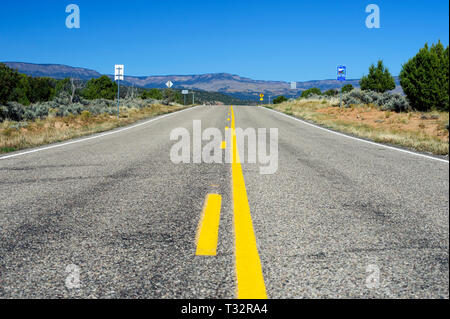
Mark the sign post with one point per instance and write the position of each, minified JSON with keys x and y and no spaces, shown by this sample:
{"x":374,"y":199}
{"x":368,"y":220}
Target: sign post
{"x":294,"y":87}
{"x":341,"y":76}
{"x":185,"y":92}
{"x":118,"y":76}
{"x":169,"y":84}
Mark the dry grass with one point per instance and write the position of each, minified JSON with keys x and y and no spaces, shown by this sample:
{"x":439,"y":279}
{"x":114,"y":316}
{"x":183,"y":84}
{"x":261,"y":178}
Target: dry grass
{"x":17,"y":136}
{"x":425,"y":132}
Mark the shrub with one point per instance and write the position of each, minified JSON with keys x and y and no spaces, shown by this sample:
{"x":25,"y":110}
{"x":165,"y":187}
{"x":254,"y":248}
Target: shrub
{"x":15,"y":111}
{"x":316,"y":97}
{"x":101,"y":88}
{"x":347,"y":88}
{"x":359,"y":97}
{"x":312,"y":91}
{"x":22,"y":92}
{"x":397,"y":103}
{"x":69,"y":90}
{"x":332,"y":92}
{"x":425,"y":78}
{"x":379,"y":79}
{"x":280,"y":99}
{"x":3,"y":113}
{"x":387,"y":101}
{"x":41,"y":89}
{"x":9,"y":80}
{"x":155,"y":94}
{"x":16,"y":87}
{"x":85,"y":115}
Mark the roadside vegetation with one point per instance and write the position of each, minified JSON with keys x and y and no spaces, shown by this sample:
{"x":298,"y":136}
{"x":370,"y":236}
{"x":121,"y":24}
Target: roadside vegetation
{"x":53,"y":128}
{"x":37,"y":111}
{"x":418,"y":120}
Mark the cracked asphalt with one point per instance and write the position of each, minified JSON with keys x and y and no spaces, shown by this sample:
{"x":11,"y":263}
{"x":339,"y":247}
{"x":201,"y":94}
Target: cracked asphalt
{"x":339,"y":219}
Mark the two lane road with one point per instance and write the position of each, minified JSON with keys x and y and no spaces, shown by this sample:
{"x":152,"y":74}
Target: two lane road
{"x":340,"y":218}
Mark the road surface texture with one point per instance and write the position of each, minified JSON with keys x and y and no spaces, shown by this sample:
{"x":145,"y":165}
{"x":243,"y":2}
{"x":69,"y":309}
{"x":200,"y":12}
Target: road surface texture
{"x":341,"y":218}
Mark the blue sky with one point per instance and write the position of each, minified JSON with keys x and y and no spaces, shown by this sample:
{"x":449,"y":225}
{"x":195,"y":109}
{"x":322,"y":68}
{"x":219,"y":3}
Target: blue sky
{"x":267,"y":40}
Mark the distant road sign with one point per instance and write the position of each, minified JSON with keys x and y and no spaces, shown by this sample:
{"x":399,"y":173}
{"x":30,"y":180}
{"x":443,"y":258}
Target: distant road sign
{"x":185,"y":92}
{"x":169,"y":84}
{"x":293,"y":85}
{"x":261,"y":99}
{"x":261,"y":95}
{"x":341,"y":73}
{"x":119,"y":72}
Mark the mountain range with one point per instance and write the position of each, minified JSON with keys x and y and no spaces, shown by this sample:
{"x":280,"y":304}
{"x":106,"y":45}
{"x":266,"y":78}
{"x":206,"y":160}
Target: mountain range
{"x":229,"y":84}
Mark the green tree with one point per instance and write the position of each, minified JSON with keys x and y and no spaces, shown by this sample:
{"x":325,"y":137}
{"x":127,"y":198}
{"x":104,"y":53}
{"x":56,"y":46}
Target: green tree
{"x":425,"y":78}
{"x":9,"y":80}
{"x":41,"y":89}
{"x":379,"y":79}
{"x":332,"y":92}
{"x":155,"y":94}
{"x":22,"y":92}
{"x":347,"y":88}
{"x":312,"y":91}
{"x":173,"y":96}
{"x":63,"y":86}
{"x":101,"y":88}
{"x":279,"y":99}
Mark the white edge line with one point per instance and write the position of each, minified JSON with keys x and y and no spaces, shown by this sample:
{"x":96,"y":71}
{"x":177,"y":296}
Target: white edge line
{"x":359,"y":139}
{"x":97,"y":136}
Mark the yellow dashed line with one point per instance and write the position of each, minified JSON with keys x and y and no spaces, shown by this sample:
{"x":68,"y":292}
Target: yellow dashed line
{"x":208,"y":230}
{"x":223,"y":145}
{"x":249,"y":276}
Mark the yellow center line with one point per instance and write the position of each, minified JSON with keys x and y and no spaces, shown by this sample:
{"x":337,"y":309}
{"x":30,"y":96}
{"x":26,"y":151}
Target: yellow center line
{"x":249,"y":276}
{"x":208,"y":230}
{"x":223,"y":145}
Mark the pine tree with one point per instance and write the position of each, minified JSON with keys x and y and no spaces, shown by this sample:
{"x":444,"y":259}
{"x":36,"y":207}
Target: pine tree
{"x":378,"y":80}
{"x":425,"y":78}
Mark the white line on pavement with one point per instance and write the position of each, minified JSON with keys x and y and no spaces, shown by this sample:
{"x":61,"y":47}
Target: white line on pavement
{"x":96,"y":136}
{"x":359,"y":139}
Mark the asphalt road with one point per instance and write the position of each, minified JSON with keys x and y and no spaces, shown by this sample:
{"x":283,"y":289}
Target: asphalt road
{"x":340,"y":218}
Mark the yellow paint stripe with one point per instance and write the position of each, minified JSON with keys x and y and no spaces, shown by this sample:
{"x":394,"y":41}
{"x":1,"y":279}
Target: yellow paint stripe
{"x":223,"y":145}
{"x":249,"y":276}
{"x":208,"y":230}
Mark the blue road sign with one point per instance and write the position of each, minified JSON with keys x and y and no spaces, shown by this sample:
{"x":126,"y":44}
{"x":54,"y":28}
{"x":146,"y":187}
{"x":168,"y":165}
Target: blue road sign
{"x":341,"y":73}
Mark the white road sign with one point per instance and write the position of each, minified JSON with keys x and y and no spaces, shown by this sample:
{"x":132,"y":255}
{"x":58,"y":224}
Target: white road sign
{"x":185,"y":92}
{"x":169,"y":84}
{"x":293,"y":85}
{"x":119,"y":72}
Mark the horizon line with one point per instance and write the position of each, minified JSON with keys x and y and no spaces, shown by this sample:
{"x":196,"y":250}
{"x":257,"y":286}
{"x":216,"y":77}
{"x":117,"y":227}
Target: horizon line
{"x":169,"y":75}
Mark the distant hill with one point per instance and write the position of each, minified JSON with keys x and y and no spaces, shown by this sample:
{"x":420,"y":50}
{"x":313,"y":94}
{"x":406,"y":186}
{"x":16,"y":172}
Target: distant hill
{"x":56,"y":71}
{"x":202,"y":97}
{"x":233,"y":85}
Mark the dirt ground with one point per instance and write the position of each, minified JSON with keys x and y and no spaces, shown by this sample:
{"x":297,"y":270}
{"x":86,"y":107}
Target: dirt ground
{"x":430,"y":124}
